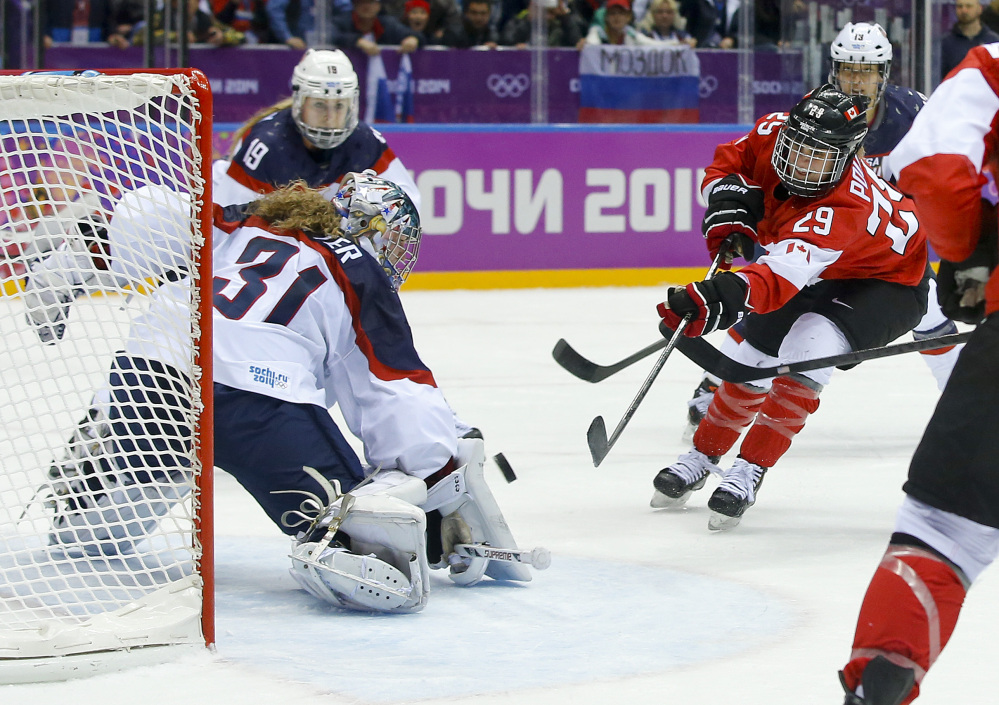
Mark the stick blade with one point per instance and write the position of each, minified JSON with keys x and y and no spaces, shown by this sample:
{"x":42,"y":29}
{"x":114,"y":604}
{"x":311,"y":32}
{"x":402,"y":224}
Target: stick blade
{"x":596,"y":439}
{"x":574,"y":363}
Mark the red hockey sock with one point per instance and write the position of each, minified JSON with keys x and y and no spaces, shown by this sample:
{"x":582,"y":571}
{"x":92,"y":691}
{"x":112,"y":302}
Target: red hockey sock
{"x":781,"y":416}
{"x":733,"y":408}
{"x":908,"y":614}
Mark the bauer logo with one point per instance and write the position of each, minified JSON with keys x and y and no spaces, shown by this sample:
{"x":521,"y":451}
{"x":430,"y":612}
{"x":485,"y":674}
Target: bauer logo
{"x":268,"y":377}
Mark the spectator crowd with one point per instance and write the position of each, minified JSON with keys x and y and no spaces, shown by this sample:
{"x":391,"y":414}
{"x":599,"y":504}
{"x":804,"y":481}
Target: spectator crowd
{"x":410,"y":24}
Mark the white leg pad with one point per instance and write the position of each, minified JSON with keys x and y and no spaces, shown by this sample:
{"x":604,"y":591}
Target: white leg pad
{"x":121,"y":517}
{"x":465,"y":494}
{"x":385,"y":568}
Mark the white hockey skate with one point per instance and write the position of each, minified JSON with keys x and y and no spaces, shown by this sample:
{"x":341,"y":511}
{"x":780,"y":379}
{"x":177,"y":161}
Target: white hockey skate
{"x":674,"y":484}
{"x":697,"y":405}
{"x":735,"y":494}
{"x":372,"y":555}
{"x":472,"y":516}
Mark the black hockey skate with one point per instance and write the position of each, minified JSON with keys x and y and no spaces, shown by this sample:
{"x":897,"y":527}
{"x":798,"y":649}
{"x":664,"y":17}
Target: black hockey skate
{"x":697,"y":406}
{"x":675,"y":484}
{"x":735,"y":494}
{"x":884,"y":683}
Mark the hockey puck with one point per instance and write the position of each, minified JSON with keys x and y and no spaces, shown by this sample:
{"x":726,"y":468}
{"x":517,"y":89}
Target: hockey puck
{"x":504,"y":467}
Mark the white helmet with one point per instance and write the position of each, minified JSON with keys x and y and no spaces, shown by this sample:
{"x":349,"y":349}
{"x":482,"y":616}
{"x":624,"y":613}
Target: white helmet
{"x":861,"y":43}
{"x":377,"y":212}
{"x":325,"y":75}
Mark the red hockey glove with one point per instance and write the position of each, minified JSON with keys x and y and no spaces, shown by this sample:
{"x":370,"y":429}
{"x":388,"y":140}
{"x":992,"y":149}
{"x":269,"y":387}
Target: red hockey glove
{"x":716,"y":303}
{"x":735,"y":206}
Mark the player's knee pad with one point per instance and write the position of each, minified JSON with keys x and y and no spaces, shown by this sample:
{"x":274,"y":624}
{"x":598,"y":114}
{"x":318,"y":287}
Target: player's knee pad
{"x":375,"y":559}
{"x":471,"y":515}
{"x":394,"y":483}
{"x":812,"y":336}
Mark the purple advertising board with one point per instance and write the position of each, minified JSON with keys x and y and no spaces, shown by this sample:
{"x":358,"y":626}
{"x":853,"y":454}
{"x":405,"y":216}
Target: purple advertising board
{"x":555,"y":198}
{"x":454,"y":86}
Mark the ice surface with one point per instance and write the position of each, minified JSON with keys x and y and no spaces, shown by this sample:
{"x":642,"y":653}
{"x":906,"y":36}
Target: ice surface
{"x":639,"y":606}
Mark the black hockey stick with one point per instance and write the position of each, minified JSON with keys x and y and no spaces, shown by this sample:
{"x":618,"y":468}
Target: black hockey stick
{"x":579,"y":366}
{"x":596,"y":434}
{"x":711,"y":359}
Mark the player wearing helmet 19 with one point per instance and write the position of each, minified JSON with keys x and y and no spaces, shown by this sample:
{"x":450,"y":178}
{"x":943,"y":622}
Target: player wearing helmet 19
{"x":315,"y":136}
{"x":844,"y":269}
{"x":861,"y":66}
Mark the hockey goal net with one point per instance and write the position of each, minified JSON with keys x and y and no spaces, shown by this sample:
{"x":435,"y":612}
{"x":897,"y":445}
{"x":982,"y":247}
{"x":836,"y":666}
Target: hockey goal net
{"x":105,"y":453}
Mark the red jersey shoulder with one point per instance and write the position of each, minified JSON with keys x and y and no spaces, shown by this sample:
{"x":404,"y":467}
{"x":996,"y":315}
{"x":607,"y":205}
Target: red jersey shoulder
{"x":750,"y":154}
{"x":985,"y":58}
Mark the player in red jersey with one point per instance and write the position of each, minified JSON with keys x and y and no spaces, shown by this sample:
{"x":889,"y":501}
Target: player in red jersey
{"x":845,"y":269}
{"x":947,"y":529}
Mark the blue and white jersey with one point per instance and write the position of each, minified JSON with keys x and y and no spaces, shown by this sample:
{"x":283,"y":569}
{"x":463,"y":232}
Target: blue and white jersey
{"x":892,"y":120}
{"x":317,"y":322}
{"x":273,"y":154}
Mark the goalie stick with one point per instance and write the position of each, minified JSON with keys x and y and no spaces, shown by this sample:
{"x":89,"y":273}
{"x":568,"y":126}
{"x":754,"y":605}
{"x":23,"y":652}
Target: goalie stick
{"x":538,"y":558}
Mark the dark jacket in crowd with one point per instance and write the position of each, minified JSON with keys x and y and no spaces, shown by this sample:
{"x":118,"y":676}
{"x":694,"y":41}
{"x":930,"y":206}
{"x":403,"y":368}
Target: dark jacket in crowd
{"x":388,"y":30}
{"x":954,"y":46}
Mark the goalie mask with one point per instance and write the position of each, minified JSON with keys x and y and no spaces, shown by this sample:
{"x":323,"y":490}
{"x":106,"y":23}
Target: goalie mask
{"x":380,"y":213}
{"x":325,"y":97}
{"x":861,"y":60}
{"x":822,"y":134}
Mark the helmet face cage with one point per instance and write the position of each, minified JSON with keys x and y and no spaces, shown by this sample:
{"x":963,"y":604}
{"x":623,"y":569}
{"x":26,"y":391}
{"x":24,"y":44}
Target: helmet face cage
{"x":807,"y":166}
{"x":861,"y":52}
{"x":382,"y":213}
{"x":821,"y":134}
{"x":325,"y":75}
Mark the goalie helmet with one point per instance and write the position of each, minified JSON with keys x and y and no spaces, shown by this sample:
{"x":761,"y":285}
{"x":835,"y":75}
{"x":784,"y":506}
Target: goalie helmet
{"x":821,"y":135}
{"x":378,"y":212}
{"x":326,"y":76}
{"x":861,"y":60}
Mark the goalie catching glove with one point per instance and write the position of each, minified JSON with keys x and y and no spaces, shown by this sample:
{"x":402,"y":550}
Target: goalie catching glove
{"x":735,"y":207}
{"x":716,"y":303}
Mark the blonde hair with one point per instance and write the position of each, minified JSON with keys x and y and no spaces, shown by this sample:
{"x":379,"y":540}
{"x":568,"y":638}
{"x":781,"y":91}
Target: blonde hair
{"x":298,"y":207}
{"x":648,"y":23}
{"x":241,"y":131}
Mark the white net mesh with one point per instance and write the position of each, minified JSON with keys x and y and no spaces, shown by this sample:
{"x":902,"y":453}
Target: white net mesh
{"x":101,"y":191}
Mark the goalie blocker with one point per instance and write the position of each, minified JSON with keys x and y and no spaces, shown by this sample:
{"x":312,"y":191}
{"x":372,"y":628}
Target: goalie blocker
{"x":368,"y":549}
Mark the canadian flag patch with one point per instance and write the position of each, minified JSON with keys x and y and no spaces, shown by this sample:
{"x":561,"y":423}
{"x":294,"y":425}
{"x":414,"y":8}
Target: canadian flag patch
{"x":851,"y":113}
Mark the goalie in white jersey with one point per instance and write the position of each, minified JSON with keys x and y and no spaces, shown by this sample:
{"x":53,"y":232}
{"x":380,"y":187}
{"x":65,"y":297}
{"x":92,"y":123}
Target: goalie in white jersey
{"x":306,"y":315}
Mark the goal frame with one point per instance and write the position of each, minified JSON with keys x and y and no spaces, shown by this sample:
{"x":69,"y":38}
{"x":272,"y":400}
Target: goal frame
{"x":60,"y":667}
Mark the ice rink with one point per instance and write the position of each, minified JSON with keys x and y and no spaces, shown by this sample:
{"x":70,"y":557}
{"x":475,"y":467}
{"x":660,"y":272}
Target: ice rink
{"x":639,"y":606}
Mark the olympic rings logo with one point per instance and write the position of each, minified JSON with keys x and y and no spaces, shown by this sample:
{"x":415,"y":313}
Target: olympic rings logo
{"x":508,"y":85}
{"x":707,"y":86}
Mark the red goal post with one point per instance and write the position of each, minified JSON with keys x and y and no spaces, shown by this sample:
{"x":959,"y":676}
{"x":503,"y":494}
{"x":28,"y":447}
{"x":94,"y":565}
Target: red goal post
{"x":106,"y":533}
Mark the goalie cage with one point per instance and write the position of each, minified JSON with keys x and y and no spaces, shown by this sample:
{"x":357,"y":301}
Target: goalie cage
{"x":73,"y":145}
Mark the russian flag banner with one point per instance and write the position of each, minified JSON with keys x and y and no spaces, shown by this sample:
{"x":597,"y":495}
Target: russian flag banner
{"x":639,"y":84}
{"x":380,"y":106}
{"x":404,"y":90}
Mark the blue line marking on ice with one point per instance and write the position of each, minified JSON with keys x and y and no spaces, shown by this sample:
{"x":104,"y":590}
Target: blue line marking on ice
{"x":578,"y":621}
